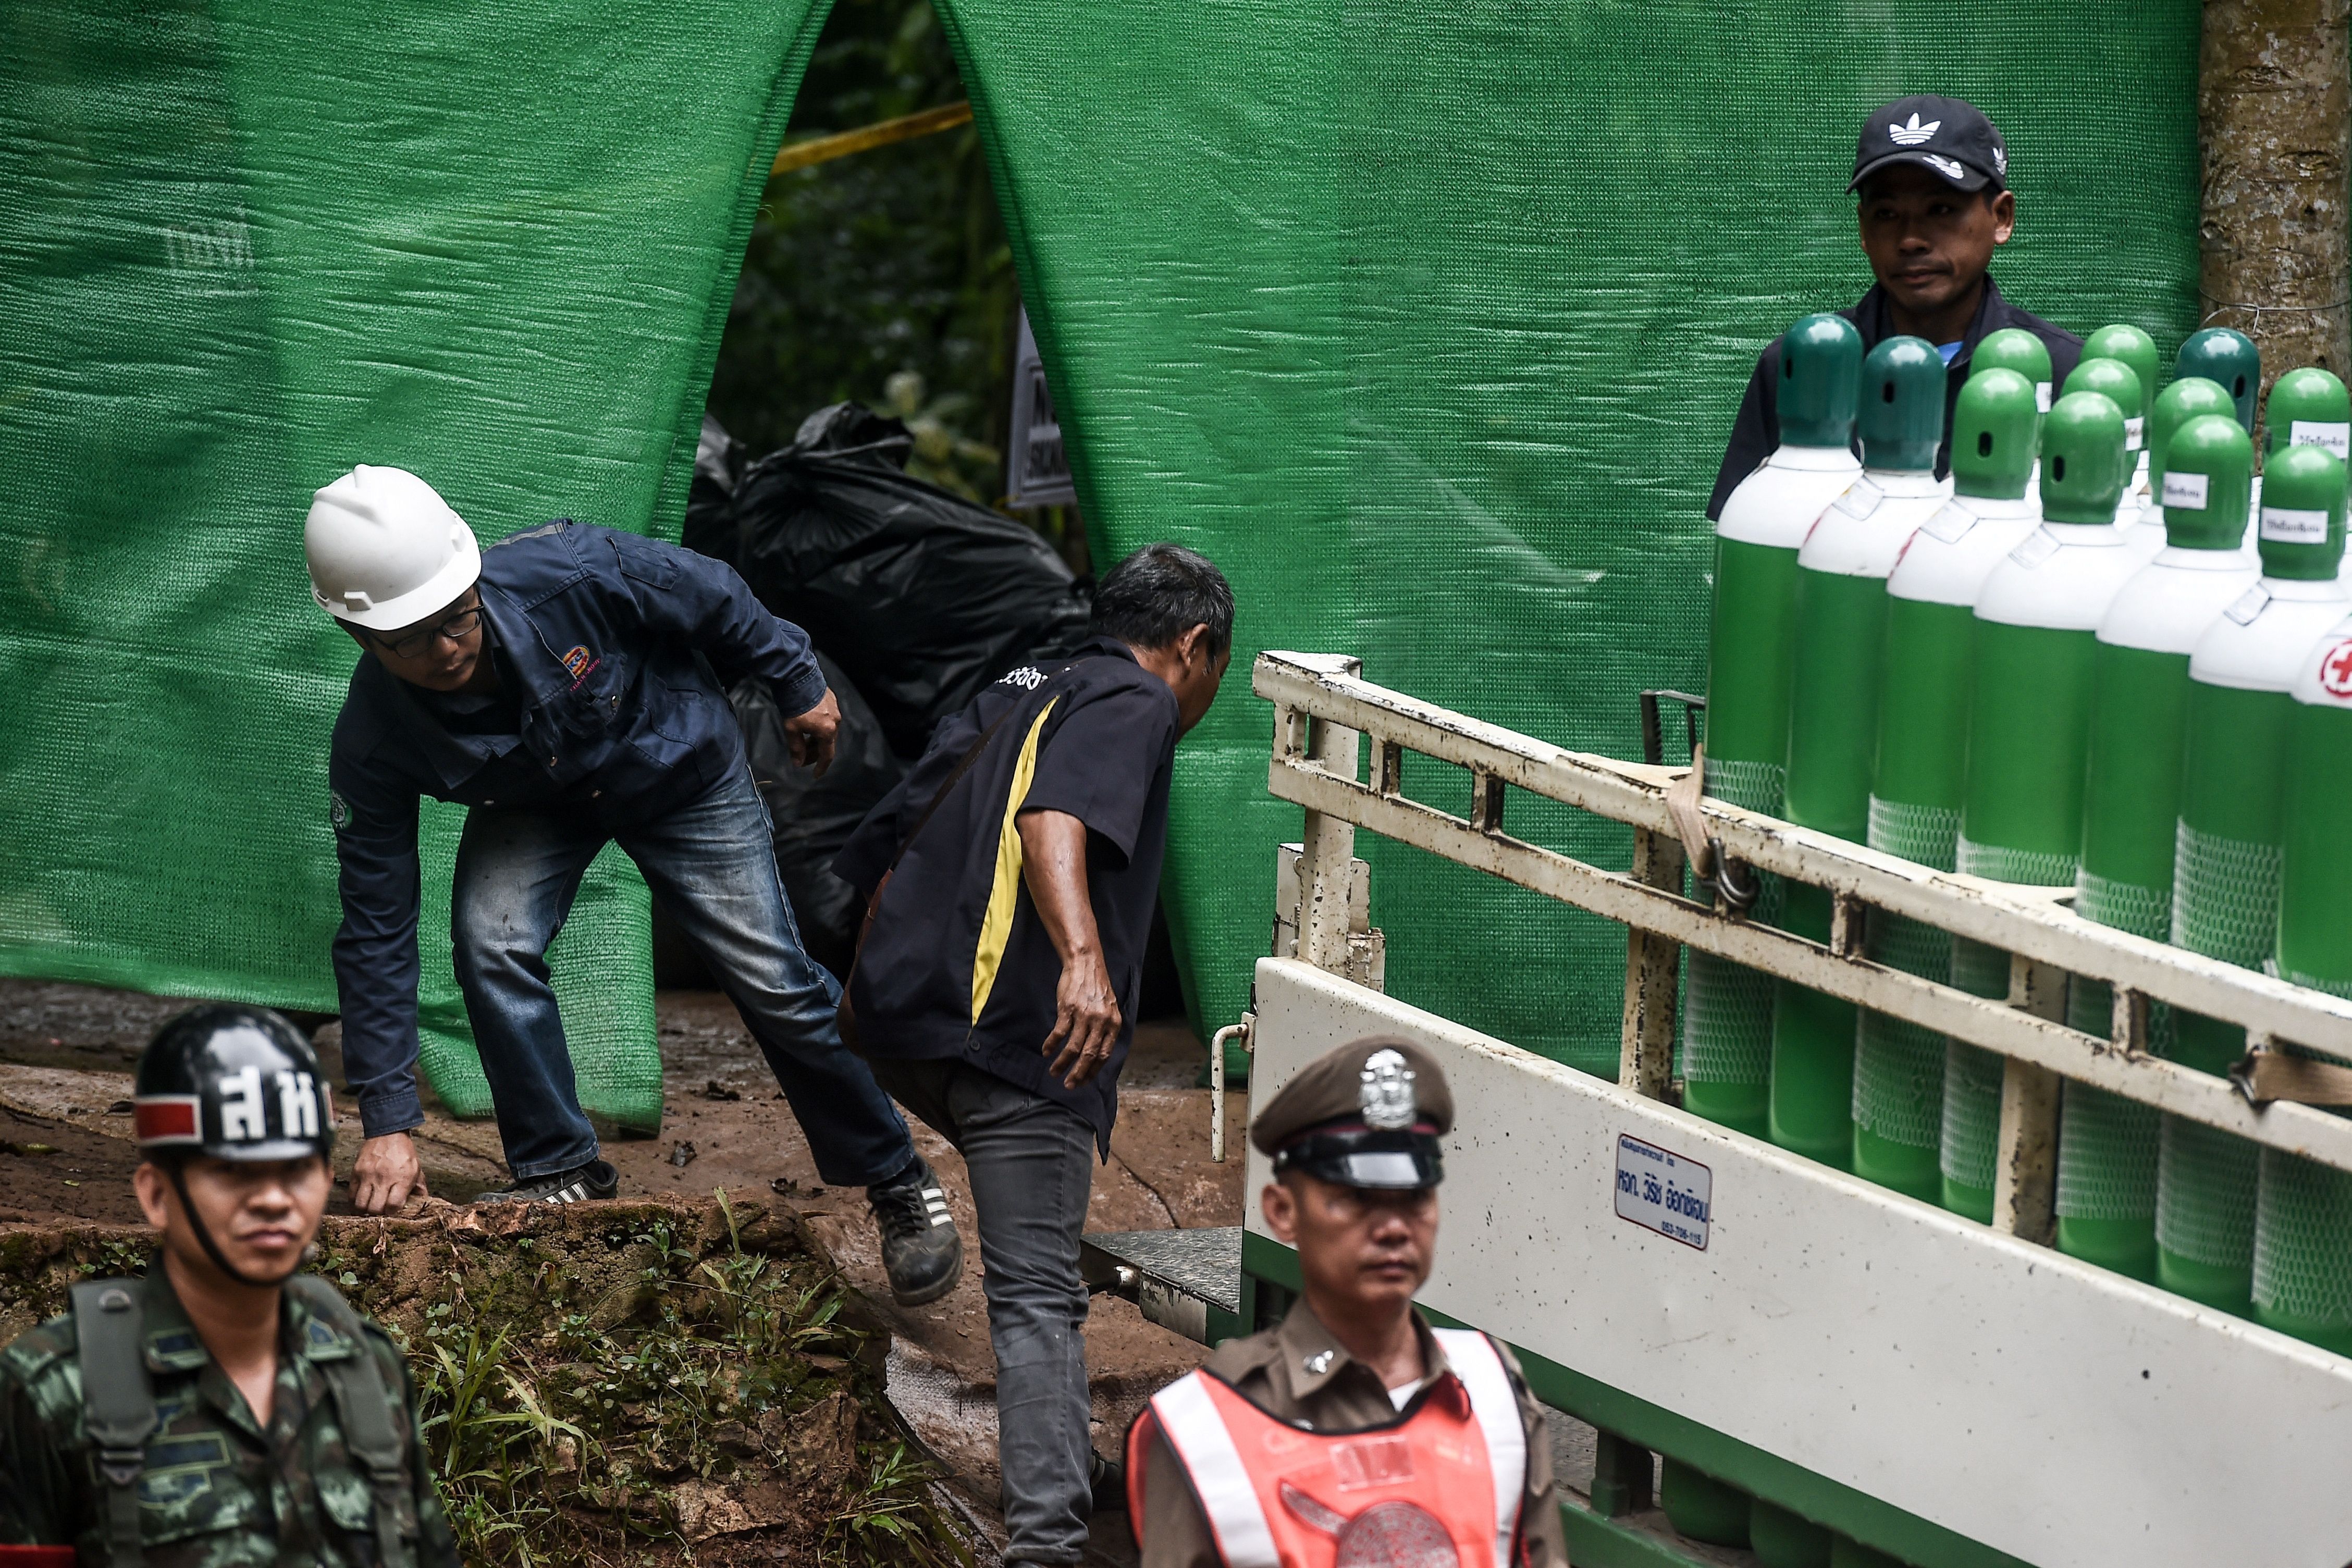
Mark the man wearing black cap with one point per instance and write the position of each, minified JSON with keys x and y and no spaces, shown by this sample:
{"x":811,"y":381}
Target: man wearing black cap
{"x":1354,"y":1430}
{"x":1932,"y":177}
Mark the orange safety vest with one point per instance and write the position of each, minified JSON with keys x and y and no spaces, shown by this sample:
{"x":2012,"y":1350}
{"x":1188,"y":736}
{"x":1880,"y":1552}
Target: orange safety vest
{"x":1438,"y":1487}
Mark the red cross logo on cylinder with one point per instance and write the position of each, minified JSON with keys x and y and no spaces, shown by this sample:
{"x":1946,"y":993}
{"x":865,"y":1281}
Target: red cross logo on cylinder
{"x":2336,"y":670}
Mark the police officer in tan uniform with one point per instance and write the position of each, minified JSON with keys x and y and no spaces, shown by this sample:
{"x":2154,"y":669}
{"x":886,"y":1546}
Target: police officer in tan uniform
{"x":1354,"y":1435}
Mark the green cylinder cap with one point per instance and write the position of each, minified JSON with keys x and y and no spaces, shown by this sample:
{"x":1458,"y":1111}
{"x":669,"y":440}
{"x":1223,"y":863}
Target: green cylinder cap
{"x":2132,"y":347}
{"x":2209,"y":471}
{"x":2118,"y":382}
{"x":2306,"y":396}
{"x":1992,"y":435}
{"x":2083,"y":467}
{"x":1821,"y":376}
{"x":2228,"y":358}
{"x":2176,"y":405}
{"x":2301,"y":533}
{"x":2013,"y":348}
{"x":1902,"y":417}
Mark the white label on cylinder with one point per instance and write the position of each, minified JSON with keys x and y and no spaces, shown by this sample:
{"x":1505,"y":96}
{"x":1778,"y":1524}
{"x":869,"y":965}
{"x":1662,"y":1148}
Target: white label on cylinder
{"x":1950,"y":523}
{"x":2186,"y":491}
{"x":2293,"y":525}
{"x":2133,"y":429}
{"x":2039,"y":545}
{"x":2250,"y":603}
{"x":2336,"y":438}
{"x":1861,"y":498}
{"x":2041,"y":396}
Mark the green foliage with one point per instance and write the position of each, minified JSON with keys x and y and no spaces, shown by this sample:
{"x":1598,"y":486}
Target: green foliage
{"x":560,"y":1435}
{"x":885,"y":263}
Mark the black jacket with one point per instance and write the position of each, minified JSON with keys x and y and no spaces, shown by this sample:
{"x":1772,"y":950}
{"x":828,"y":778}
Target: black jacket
{"x":1757,"y":431}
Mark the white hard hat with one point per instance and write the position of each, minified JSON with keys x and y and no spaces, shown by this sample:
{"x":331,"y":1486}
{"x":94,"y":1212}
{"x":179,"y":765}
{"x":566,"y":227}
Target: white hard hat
{"x":385,"y":550}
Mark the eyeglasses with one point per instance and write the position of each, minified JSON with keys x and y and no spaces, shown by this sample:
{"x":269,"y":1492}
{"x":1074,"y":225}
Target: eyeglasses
{"x":458,"y":628}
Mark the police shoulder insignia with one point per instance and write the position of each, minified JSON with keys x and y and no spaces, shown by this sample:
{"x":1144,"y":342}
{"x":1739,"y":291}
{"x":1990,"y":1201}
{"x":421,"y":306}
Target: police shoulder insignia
{"x":338,"y":810}
{"x":1384,"y":1091}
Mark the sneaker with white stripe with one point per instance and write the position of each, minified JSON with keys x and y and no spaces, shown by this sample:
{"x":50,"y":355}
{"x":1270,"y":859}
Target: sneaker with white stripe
{"x":920,"y":1249}
{"x":593,"y":1180}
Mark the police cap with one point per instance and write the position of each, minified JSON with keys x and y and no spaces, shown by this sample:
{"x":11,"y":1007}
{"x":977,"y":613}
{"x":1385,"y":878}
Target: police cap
{"x":235,"y":1082}
{"x":1368,"y":1113}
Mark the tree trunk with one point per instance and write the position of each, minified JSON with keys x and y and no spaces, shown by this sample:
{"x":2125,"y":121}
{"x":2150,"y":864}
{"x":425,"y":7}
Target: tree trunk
{"x":2272,"y":121}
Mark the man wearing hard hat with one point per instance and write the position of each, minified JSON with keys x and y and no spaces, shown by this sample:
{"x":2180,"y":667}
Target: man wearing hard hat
{"x":568,"y":686}
{"x":1354,"y":1433}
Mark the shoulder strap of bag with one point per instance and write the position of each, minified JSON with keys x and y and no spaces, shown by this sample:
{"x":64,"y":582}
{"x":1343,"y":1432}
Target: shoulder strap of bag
{"x":846,"y":1012}
{"x":118,"y":1403}
{"x":964,"y":767}
{"x":364,"y":1403}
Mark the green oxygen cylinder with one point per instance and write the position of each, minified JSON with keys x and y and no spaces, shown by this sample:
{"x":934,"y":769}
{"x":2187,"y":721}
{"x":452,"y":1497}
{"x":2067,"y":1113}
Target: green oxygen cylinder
{"x":1727,"y":1009}
{"x":2227,"y":357}
{"x":2122,"y":386}
{"x":2029,"y":726}
{"x":2303,"y":1211}
{"x":2131,"y":809}
{"x":2307,"y":407}
{"x":2136,"y":349}
{"x":2189,"y":398}
{"x":1839,"y":649}
{"x":2225,"y":873}
{"x":1783,"y":1539}
{"x":2015,"y":349}
{"x":1921,"y":770}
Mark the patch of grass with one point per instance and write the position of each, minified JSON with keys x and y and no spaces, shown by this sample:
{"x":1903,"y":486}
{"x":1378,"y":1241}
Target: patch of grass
{"x":561,"y":1435}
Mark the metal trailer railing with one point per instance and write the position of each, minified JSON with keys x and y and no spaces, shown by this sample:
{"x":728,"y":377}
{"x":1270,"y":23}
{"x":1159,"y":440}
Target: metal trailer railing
{"x":1952,"y":1395}
{"x":1327,"y":715}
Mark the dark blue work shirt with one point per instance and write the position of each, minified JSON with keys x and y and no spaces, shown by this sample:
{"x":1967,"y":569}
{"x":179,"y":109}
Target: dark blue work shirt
{"x":613,"y":654}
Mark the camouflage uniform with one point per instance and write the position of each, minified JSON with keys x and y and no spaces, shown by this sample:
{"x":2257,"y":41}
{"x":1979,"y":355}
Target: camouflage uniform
{"x":217,"y":1491}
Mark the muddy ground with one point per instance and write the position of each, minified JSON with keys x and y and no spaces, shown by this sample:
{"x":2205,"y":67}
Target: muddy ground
{"x":67,"y":1052}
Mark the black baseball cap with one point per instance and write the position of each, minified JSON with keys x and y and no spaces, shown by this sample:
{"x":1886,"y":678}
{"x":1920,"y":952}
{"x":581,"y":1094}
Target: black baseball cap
{"x":1947,"y":135}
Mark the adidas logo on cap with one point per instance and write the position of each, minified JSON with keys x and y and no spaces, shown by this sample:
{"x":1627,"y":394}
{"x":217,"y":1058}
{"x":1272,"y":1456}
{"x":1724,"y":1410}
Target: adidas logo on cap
{"x":1915,"y":133}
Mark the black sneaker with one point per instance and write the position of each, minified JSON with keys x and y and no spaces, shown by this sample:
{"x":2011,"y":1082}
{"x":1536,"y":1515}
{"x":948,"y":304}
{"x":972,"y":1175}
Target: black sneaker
{"x":1107,"y":1479}
{"x":920,"y":1249}
{"x":594,"y":1179}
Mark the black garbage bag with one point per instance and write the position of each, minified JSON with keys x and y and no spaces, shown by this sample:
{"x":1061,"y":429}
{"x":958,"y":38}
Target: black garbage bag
{"x":719,"y":463}
{"x":813,"y":817}
{"x":919,"y":595}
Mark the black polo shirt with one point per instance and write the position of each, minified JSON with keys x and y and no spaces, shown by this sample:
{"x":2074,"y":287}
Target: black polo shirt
{"x":1757,"y":431}
{"x":957,"y":963}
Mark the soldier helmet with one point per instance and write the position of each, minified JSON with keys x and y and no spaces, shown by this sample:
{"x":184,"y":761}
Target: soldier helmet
{"x":1368,"y":1113}
{"x":235,"y":1082}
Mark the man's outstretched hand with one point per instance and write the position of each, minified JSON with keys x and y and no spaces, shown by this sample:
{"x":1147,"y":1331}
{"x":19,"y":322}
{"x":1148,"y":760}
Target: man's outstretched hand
{"x":386,"y":1174}
{"x":812,"y":736}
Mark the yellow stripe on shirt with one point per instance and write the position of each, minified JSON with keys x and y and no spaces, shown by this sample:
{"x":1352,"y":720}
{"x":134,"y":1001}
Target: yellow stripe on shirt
{"x":996,"y":926}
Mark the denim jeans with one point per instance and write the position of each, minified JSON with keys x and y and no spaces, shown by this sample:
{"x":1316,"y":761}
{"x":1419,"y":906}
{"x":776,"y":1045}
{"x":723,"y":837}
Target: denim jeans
{"x":1032,"y":1166}
{"x":713,"y":864}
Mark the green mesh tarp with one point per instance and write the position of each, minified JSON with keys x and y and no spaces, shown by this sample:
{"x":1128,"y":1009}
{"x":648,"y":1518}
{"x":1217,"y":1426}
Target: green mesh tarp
{"x":1428,"y":321}
{"x":244,"y":246}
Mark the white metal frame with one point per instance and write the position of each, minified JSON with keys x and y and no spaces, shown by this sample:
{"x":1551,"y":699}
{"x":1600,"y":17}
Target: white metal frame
{"x":1325,"y":711}
{"x":2019,"y":1399}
